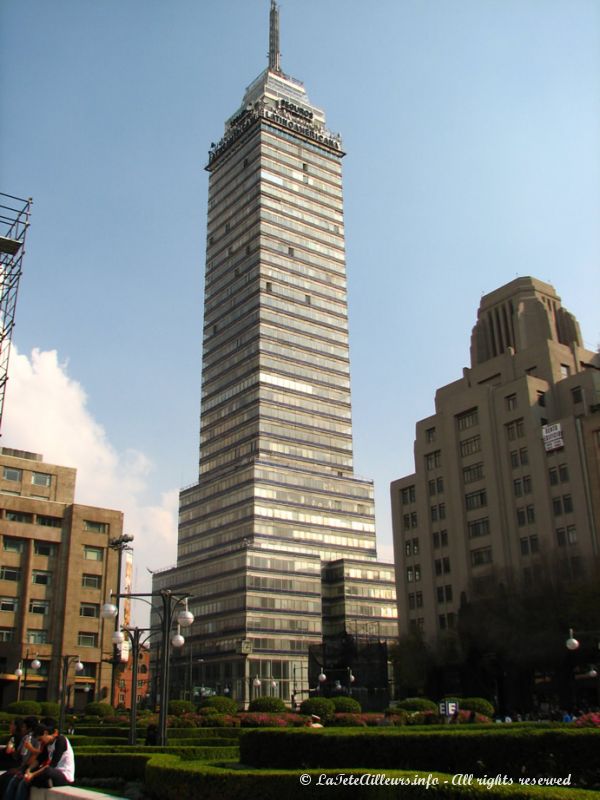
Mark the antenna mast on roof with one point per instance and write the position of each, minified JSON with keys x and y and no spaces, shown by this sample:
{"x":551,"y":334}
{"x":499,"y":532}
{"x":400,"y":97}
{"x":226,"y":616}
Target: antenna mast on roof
{"x":274,"y":54}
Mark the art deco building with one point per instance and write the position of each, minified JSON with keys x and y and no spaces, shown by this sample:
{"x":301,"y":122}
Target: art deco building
{"x":277,"y":498}
{"x":507,"y":480}
{"x":56,"y":570}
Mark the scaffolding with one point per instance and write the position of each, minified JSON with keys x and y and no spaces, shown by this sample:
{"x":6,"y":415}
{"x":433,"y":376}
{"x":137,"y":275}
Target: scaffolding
{"x":14,"y":221}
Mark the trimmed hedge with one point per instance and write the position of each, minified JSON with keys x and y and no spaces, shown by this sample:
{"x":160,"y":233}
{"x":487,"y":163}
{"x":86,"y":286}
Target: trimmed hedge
{"x":516,"y":753}
{"x":319,"y":706}
{"x":179,"y":707}
{"x":274,"y":705}
{"x":222,"y":704}
{"x":167,"y":778}
{"x":99,"y":709}
{"x":346,"y":705}
{"x":417,"y":704}
{"x":24,"y":708}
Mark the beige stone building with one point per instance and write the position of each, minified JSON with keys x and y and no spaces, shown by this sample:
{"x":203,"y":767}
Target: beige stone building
{"x":56,"y":570}
{"x":507,"y":479}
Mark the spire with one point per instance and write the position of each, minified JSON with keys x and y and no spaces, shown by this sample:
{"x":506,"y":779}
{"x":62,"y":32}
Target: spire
{"x":274,"y":54}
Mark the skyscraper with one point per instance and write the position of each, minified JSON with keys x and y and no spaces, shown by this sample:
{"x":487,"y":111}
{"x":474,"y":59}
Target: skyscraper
{"x":277,"y":498}
{"x":506,"y":486}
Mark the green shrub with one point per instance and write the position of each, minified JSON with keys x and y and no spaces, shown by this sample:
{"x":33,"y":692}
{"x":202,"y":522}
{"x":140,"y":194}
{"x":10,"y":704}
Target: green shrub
{"x":417,"y":704}
{"x":179,"y":707}
{"x":24,"y":708}
{"x":346,"y":705}
{"x":224,"y":705}
{"x":270,"y":704}
{"x":182,"y":722}
{"x":48,"y":709}
{"x":320,"y":706}
{"x":478,"y":704}
{"x":101,"y":710}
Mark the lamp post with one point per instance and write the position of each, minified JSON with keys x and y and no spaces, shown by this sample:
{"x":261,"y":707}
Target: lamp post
{"x":322,"y":678}
{"x":67,"y":660}
{"x":351,"y":679}
{"x":166,"y":611}
{"x":21,"y":672}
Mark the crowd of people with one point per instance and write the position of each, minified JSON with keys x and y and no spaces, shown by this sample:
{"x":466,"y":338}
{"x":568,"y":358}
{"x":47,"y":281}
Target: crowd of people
{"x":36,"y":754}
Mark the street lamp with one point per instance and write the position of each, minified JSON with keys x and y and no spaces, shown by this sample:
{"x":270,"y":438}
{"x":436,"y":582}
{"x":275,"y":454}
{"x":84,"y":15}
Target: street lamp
{"x":571,"y":643}
{"x":66,"y":663}
{"x":118,"y":543}
{"x":257,"y":684}
{"x":168,"y":614}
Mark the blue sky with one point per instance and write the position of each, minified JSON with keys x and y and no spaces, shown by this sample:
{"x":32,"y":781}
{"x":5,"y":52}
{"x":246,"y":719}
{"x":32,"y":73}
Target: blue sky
{"x":472,"y":132}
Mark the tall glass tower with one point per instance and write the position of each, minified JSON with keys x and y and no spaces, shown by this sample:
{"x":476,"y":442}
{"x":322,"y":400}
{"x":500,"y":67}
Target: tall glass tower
{"x":277,"y":502}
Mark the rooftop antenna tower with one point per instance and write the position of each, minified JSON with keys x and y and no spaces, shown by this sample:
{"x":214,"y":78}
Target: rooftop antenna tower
{"x":14,"y":221}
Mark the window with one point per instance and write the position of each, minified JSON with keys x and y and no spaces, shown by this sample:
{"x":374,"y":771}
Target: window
{"x":417,"y":573}
{"x":408,"y":495}
{"x":553,"y":476}
{"x":433,"y":460}
{"x":476,"y":499}
{"x":514,"y":459}
{"x":18,"y":516}
{"x":515,"y":429}
{"x":41,"y":479}
{"x":411,"y":602}
{"x":448,"y":593}
{"x":436,"y":540}
{"x":478,"y":527}
{"x":39,"y":606}
{"x":441,"y":566}
{"x":37,"y":637}
{"x":95,"y":527}
{"x":563,"y":473}
{"x":444,"y":538}
{"x":571,"y":534}
{"x":87,"y":639}
{"x":419,"y":599}
{"x":89,"y":610}
{"x":440,"y":594}
{"x":432,"y":489}
{"x":407,"y":549}
{"x":577,"y":394}
{"x":472,"y":473}
{"x":440,"y":484}
{"x":92,"y":553}
{"x":12,"y":474}
{"x":541,"y":398}
{"x":9,"y":604}
{"x":44,"y":549}
{"x":48,"y":522}
{"x":7,"y":635}
{"x":481,"y":556}
{"x":10,"y":574}
{"x":41,"y":577}
{"x":565,"y":370}
{"x":415,"y":547}
{"x":433,"y":513}
{"x":567,"y":503}
{"x":530,"y":514}
{"x":470,"y":446}
{"x":406,"y":521}
{"x":511,"y":402}
{"x":446,"y":565}
{"x":527,"y":484}
{"x":529,"y":545}
{"x":467,"y":420}
{"x":518,"y":488}
{"x":410,"y":575}
{"x":430,"y":435}
{"x":10,"y":545}
{"x":521,"y":517}
{"x":557,"y":507}
{"x":524,"y":456}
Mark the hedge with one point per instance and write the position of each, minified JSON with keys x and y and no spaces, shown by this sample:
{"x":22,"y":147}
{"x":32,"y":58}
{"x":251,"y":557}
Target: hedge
{"x":168,"y":778}
{"x":269,"y":704}
{"x":516,"y":753}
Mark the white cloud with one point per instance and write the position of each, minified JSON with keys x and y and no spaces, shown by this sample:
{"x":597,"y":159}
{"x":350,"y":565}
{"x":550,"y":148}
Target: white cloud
{"x":46,"y":412}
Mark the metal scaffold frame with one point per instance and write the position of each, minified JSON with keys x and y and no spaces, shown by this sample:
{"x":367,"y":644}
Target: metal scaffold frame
{"x":14,"y":222}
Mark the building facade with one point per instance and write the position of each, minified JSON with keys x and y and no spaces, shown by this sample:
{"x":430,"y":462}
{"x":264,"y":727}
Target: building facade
{"x":507,"y":480}
{"x":56,"y":570}
{"x":277,"y":498}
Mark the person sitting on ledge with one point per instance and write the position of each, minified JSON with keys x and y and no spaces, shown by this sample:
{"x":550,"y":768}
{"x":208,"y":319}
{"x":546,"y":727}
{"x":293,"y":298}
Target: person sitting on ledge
{"x":54,"y":766}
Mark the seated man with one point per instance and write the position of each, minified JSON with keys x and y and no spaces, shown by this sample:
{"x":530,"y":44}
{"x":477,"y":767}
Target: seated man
{"x":54,"y":766}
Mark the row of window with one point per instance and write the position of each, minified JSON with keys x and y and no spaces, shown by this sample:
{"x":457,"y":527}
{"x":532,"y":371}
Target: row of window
{"x":411,"y":547}
{"x":522,"y":486}
{"x":16,"y":475}
{"x":433,"y":460}
{"x":519,"y":458}
{"x":562,"y":505}
{"x":439,"y":539}
{"x":31,"y":519}
{"x":437,"y":512}
{"x":408,"y":495}
{"x":436,"y":486}
{"x":559,"y":474}
{"x":11,"y":545}
{"x":38,"y":576}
